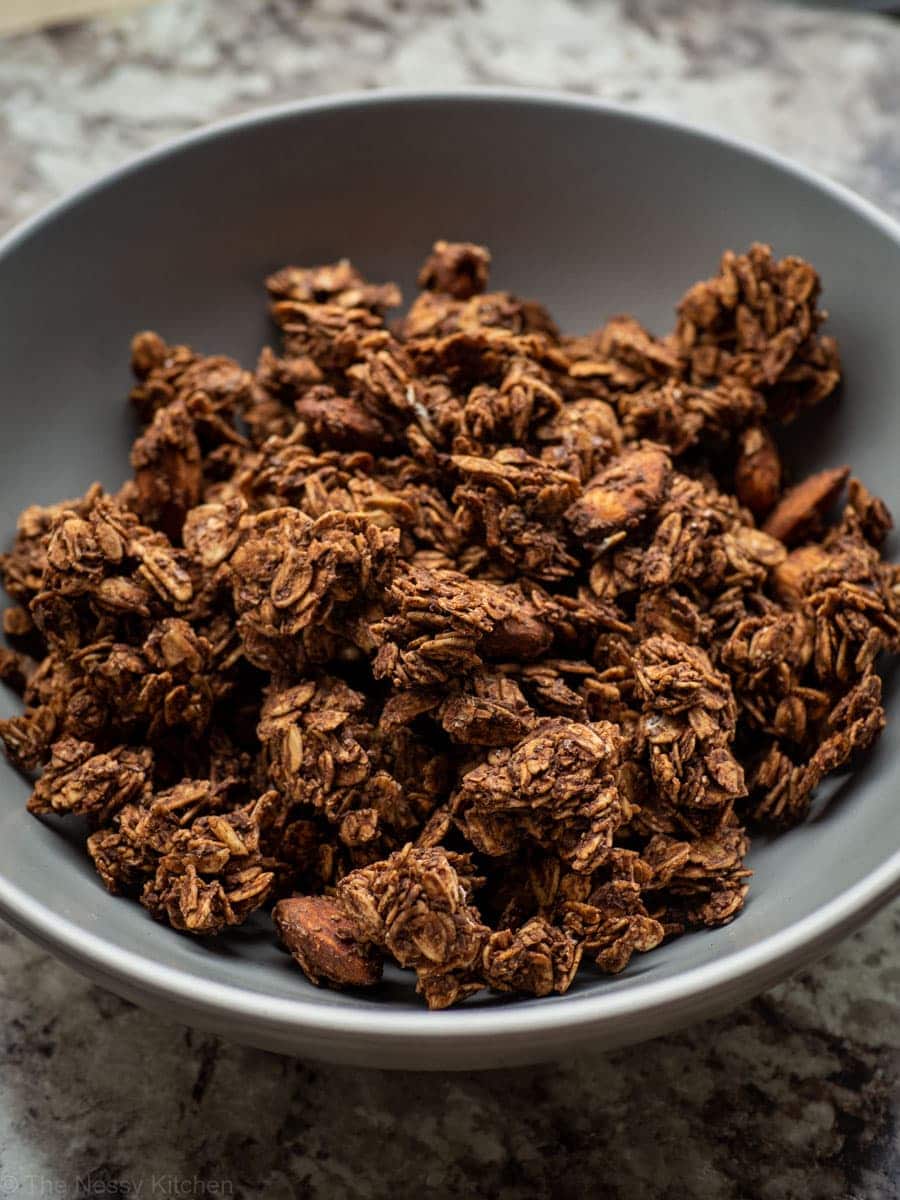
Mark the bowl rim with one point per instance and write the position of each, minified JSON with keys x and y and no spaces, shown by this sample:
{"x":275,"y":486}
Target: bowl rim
{"x":739,"y":975}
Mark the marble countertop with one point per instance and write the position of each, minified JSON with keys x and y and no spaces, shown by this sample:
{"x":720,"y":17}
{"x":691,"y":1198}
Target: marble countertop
{"x":793,"y":1095}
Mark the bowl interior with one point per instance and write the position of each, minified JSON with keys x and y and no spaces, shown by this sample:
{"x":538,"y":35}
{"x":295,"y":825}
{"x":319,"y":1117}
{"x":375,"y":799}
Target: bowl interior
{"x":592,"y":211}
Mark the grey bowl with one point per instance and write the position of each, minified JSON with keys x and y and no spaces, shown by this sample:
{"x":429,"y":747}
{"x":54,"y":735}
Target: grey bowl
{"x":589,"y":207}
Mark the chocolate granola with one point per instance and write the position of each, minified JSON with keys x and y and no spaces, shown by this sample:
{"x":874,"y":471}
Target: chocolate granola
{"x":454,"y":641}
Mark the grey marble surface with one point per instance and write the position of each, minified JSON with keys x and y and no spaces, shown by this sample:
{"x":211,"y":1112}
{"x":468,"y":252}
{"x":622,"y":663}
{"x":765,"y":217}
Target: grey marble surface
{"x":794,"y":1095}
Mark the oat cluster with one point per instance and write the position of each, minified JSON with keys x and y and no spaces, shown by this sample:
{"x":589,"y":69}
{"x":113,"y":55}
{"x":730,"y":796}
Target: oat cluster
{"x":455,"y":641}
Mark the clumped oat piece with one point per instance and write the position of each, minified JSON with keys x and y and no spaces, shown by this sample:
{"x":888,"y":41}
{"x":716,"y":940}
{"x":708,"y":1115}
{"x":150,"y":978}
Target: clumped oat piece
{"x":297,"y":583}
{"x":452,"y":641}
{"x":689,"y":721}
{"x":458,"y":269}
{"x":758,"y":322}
{"x":556,"y":787}
{"x":416,"y":905}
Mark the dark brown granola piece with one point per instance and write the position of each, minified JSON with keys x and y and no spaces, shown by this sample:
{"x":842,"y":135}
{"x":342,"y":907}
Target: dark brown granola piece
{"x":611,"y":923}
{"x":296,"y":582}
{"x":539,"y":958}
{"x":336,"y":283}
{"x":689,"y":721}
{"x":15,"y":669}
{"x":416,"y":905}
{"x":758,"y":321}
{"x":459,"y":269}
{"x":557,"y":786}
{"x":871,"y":512}
{"x":682,"y":416}
{"x":77,"y":780}
{"x":168,"y":469}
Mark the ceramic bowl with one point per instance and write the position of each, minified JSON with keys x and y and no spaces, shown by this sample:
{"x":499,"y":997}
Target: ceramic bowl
{"x":591,"y":208}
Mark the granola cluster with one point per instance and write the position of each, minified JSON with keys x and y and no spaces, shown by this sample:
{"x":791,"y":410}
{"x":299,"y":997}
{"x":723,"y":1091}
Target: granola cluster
{"x":454,"y":641}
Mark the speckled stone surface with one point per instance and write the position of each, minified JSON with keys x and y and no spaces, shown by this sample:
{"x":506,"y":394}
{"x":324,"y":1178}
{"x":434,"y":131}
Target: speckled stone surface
{"x":794,"y":1095}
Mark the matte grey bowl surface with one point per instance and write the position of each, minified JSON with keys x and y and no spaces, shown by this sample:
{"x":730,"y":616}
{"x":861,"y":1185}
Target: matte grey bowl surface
{"x":588,"y":207}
